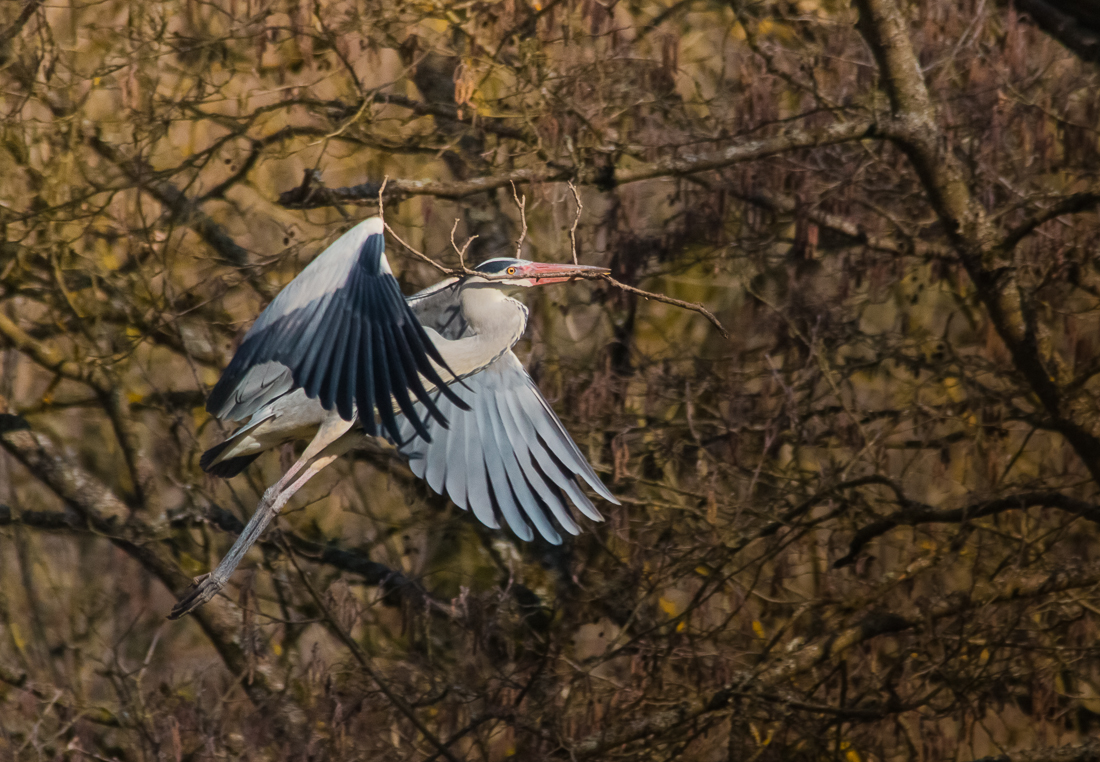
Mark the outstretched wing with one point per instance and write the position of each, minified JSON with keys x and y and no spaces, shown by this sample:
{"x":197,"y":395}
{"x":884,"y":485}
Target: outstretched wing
{"x":342,"y":332}
{"x":509,"y":455}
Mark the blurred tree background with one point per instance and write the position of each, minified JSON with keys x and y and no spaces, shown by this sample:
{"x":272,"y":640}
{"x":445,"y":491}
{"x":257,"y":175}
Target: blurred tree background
{"x":862,"y":527}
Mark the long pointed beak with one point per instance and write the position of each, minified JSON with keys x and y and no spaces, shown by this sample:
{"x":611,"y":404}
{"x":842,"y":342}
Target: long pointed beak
{"x":541,"y":273}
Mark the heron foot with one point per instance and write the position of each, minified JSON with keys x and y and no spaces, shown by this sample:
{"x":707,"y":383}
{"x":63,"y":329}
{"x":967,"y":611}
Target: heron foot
{"x":203,"y":588}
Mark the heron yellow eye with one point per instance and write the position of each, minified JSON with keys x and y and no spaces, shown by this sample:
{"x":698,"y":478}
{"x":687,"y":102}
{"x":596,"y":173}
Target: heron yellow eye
{"x":511,"y":271}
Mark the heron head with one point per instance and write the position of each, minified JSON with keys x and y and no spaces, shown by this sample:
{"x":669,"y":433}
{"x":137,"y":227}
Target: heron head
{"x":508,"y":272}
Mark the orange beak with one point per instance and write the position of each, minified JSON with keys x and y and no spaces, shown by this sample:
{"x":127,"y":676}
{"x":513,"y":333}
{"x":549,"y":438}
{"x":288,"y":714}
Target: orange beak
{"x":542,"y":273}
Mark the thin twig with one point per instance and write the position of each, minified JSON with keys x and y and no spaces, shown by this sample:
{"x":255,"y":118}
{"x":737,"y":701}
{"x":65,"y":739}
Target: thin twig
{"x":418,"y":254}
{"x":363,"y":105}
{"x":522,"y":204}
{"x":464,"y":270}
{"x":662,"y":298}
{"x":357,"y":652}
{"x":461,"y":252}
{"x":576,"y":221}
{"x":421,"y":255}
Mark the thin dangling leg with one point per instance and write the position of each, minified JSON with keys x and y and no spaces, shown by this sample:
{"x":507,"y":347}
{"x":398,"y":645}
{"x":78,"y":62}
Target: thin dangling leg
{"x":208,"y":585}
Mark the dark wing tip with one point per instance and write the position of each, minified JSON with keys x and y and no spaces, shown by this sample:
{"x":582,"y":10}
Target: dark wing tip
{"x":419,"y":336}
{"x":206,"y":462}
{"x":371,"y":255}
{"x":227,"y":468}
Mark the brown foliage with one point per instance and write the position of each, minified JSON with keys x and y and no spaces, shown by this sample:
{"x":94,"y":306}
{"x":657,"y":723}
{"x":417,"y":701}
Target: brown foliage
{"x":861,"y":527}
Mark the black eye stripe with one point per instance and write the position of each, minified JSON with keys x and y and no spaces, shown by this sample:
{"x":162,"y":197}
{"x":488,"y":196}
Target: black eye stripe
{"x":494,"y":266}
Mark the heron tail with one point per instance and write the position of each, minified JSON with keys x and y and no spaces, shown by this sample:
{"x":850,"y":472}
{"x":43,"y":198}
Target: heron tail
{"x":226,"y":468}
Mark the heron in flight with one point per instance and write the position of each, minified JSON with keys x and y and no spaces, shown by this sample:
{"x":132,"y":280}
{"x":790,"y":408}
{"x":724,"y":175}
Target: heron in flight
{"x":340,"y":343}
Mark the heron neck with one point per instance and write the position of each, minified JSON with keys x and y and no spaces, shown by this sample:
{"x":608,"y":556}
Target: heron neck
{"x":496,"y":322}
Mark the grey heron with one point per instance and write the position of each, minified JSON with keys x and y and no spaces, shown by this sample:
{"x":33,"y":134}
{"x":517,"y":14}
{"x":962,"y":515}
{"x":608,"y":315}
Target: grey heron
{"x":438,"y":369}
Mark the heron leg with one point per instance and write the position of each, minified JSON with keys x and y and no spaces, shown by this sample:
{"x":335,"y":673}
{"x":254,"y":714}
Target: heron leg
{"x":331,"y":429}
{"x":313,"y":460}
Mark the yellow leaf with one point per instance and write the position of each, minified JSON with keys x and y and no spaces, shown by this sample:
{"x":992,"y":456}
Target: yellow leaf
{"x":954,"y":390}
{"x":758,"y":629}
{"x":761,"y":740}
{"x":667,"y":606}
{"x":108,"y":260}
{"x":850,"y":754}
{"x":17,"y":638}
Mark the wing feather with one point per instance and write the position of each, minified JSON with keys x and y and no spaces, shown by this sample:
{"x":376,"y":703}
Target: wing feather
{"x":521,"y":487}
{"x":545,"y":461}
{"x":382,"y":362}
{"x":504,"y":454}
{"x":345,"y":334}
{"x":495,"y":466}
{"x":477,"y":481}
{"x":529,"y":451}
{"x":434,"y":462}
{"x":455,"y":445}
{"x":561,"y":444}
{"x":344,"y":391}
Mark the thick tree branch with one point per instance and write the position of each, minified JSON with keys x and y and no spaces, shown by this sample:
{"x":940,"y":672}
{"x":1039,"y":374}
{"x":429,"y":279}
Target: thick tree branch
{"x":916,"y":131}
{"x":107,"y":389}
{"x":106,"y":515}
{"x":51,"y":359}
{"x":28,"y":10}
{"x":310,"y":195}
{"x":1078,"y":202}
{"x":183,"y":209}
{"x":911,"y":516}
{"x":840,"y":225}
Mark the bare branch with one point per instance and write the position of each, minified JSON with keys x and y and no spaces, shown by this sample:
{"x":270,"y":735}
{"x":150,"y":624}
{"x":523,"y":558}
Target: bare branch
{"x":28,"y":10}
{"x":522,"y":204}
{"x":381,"y":202}
{"x":107,"y":515}
{"x":650,"y":296}
{"x":183,"y":209}
{"x":944,"y":180}
{"x":366,"y":666}
{"x":576,"y":221}
{"x":912,"y":516}
{"x":463,"y":269}
{"x":308,"y":197}
{"x":49,"y":358}
{"x":795,"y":659}
{"x":1078,"y":202}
